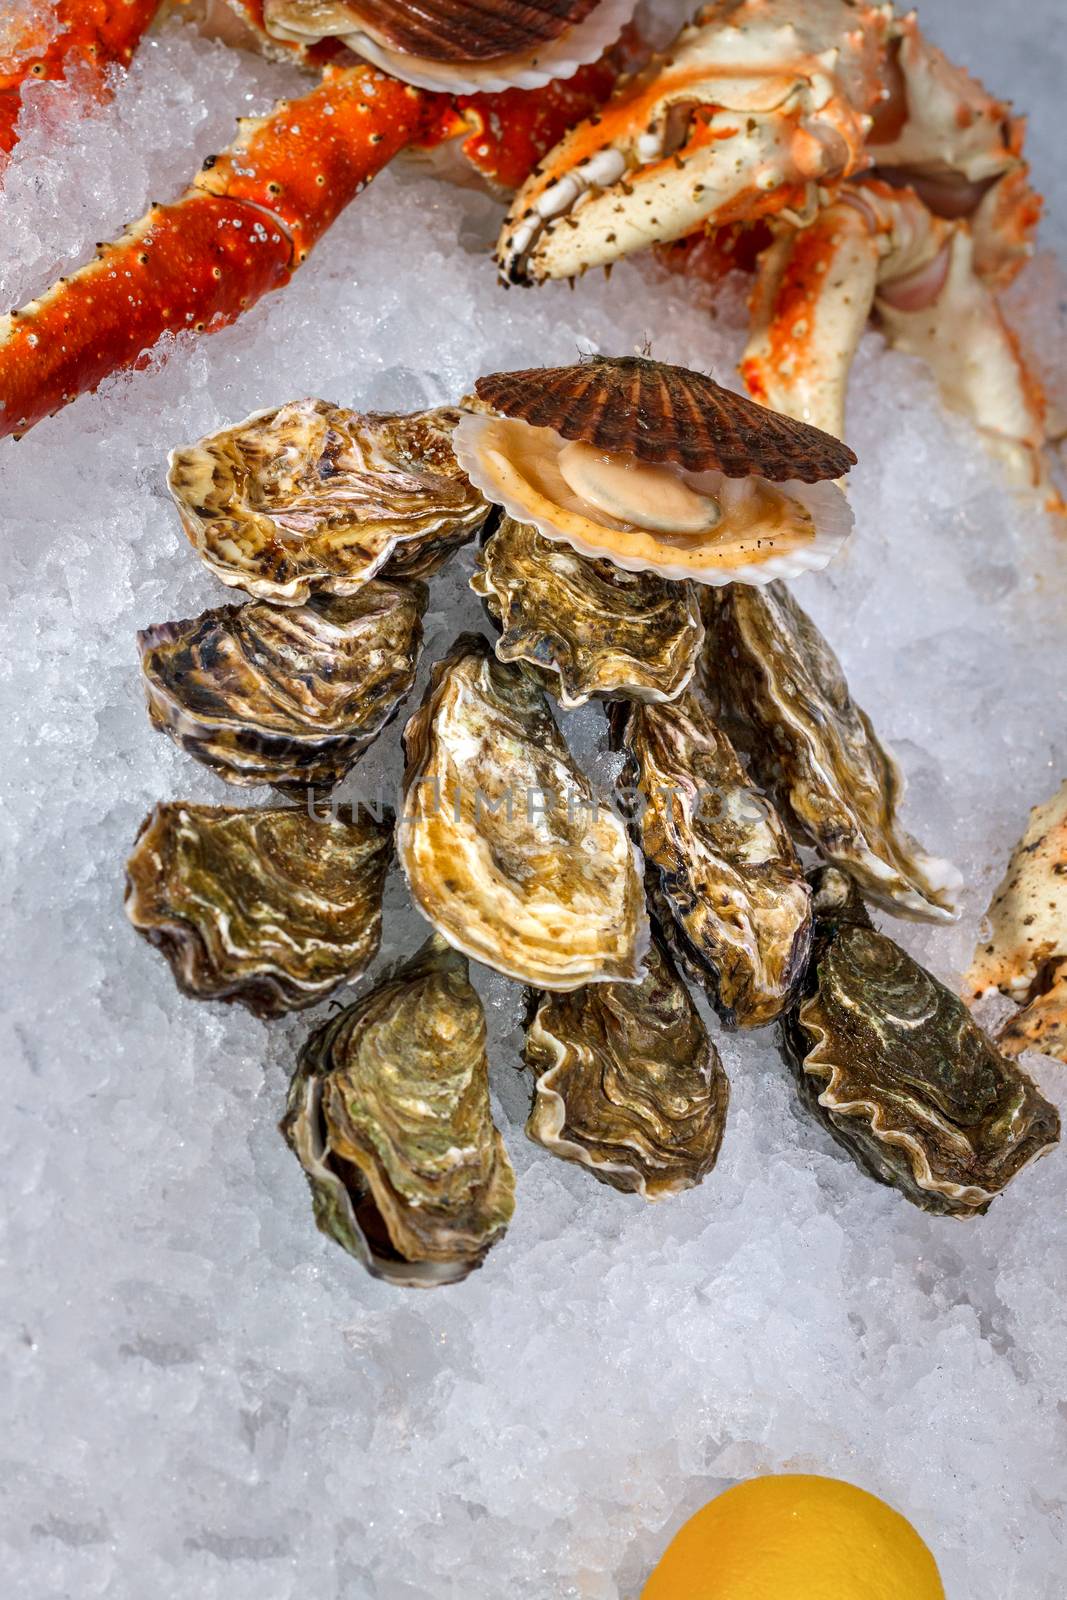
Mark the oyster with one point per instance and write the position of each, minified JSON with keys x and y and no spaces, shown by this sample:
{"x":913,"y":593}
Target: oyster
{"x":272,"y":907}
{"x":628,"y":1082}
{"x":1025,"y":955}
{"x":587,"y":627}
{"x":732,"y":891}
{"x":286,"y":696}
{"x":503,"y":843}
{"x":389,"y":1116}
{"x":657,"y":469}
{"x":457,"y":47}
{"x":784,"y":700}
{"x":904,"y":1078}
{"x":310,"y":496}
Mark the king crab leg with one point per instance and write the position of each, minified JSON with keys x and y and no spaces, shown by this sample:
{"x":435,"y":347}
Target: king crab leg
{"x":88,"y":36}
{"x":250,"y":218}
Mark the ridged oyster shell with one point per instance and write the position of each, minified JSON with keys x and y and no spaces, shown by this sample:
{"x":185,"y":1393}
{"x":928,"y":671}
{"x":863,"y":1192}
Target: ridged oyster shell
{"x":1025,"y":953}
{"x":271,"y":907}
{"x":662,"y":413}
{"x":456,"y":47}
{"x":587,"y":628}
{"x":628,"y":1083}
{"x":288,"y":696}
{"x":785,"y":701}
{"x":903,"y":1077}
{"x":389,"y":1115}
{"x":313,"y":497}
{"x":503,"y":844}
{"x":731,"y":890}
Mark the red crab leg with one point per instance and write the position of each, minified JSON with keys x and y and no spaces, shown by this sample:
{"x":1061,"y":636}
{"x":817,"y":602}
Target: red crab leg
{"x":91,"y":35}
{"x":249,"y":218}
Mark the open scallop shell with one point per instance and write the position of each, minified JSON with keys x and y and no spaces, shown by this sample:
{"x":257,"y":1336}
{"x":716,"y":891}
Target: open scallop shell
{"x":666,"y":415}
{"x":767,"y":529}
{"x":457,"y":47}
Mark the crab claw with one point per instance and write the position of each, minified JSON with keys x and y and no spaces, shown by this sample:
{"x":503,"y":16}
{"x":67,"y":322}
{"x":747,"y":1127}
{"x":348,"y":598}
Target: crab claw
{"x":749,"y":114}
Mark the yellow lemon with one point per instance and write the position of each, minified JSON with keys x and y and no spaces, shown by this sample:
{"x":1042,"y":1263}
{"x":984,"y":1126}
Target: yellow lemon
{"x":796,"y":1538}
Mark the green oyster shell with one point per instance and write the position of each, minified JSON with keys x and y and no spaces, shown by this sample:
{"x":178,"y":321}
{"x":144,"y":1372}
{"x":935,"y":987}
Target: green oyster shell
{"x":628,"y":1084}
{"x":311,"y":496}
{"x":902,"y":1076}
{"x":389,"y":1115}
{"x":587,"y":628}
{"x":289,"y":696}
{"x":785,"y":702}
{"x":723,"y":872}
{"x":271,"y":908}
{"x":503,"y":844}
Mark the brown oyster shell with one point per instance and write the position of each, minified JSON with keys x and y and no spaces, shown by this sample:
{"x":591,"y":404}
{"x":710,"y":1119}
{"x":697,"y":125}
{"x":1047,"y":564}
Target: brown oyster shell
{"x":310,"y":497}
{"x":288,"y":696}
{"x":271,"y":908}
{"x":784,"y":699}
{"x":1025,"y":953}
{"x":586,"y":627}
{"x":665,"y":414}
{"x":389,"y":1115}
{"x":435,"y":30}
{"x":727,"y":880}
{"x":900,"y":1073}
{"x":505,"y":848}
{"x":628,"y":1082}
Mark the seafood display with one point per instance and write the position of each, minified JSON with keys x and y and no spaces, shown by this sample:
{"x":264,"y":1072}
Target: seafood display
{"x":1025,"y":955}
{"x":825,"y":143}
{"x":740,"y":741}
{"x":288,"y":697}
{"x":627,"y":1082}
{"x":892,"y":1062}
{"x":272,"y":908}
{"x":389,"y":1116}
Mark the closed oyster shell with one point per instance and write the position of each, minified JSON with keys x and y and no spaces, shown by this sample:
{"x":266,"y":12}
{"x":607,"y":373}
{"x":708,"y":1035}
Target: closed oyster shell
{"x":903,"y":1077}
{"x":587,"y":627}
{"x":502,"y":841}
{"x":665,"y":414}
{"x":628,"y":1082}
{"x":313,"y":497}
{"x":389,"y":1115}
{"x":732,"y":892}
{"x":288,"y":696}
{"x":1025,"y":953}
{"x":783,"y":697}
{"x":272,"y":908}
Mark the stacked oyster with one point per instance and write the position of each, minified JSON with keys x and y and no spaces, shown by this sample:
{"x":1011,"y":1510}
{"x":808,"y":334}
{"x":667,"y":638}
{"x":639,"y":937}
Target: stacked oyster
{"x":637,"y":522}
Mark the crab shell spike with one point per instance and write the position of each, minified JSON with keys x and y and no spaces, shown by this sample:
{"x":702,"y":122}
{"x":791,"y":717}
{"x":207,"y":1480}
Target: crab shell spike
{"x":666,"y":415}
{"x":458,"y":48}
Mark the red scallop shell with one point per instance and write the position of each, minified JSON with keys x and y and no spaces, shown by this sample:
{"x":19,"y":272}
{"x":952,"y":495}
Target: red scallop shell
{"x":662,"y":413}
{"x":457,"y":30}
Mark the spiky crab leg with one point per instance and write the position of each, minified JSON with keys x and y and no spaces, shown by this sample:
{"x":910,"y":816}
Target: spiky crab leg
{"x":249,"y":218}
{"x":87,"y":36}
{"x":880,"y":248}
{"x":754,"y":108}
